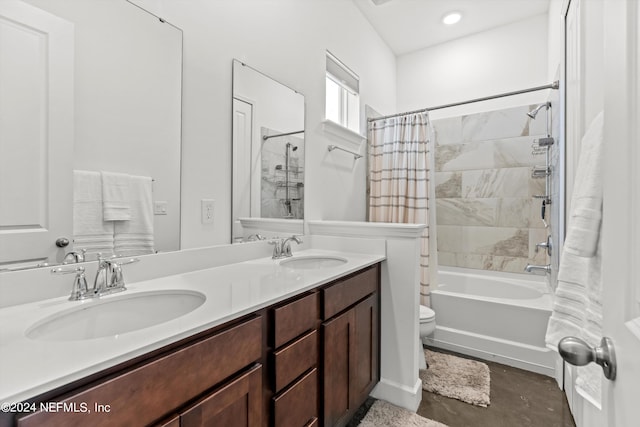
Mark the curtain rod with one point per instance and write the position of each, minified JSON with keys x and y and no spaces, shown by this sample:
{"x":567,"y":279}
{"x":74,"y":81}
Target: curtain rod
{"x":554,"y":85}
{"x":281,"y":134}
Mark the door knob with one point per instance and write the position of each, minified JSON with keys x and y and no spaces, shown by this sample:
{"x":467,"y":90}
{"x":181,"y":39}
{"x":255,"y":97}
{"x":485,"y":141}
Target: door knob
{"x":577,"y":352}
{"x":62,"y":242}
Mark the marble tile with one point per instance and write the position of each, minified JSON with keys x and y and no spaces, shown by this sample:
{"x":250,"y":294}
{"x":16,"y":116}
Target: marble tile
{"x":519,"y":212}
{"x":447,"y":131}
{"x":445,"y":154}
{"x":484,"y":262}
{"x":448,"y":184}
{"x":491,"y":154}
{"x":506,"y":182}
{"x":467,"y":211}
{"x":536,"y":186}
{"x":449,"y":239}
{"x":496,"y":124}
{"x":503,"y":241}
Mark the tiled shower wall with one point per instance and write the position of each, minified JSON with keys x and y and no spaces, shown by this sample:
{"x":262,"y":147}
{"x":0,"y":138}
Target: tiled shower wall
{"x":485,"y":214}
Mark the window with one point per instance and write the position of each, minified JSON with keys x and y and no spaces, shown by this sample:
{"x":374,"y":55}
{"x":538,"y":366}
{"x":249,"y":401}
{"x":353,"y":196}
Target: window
{"x":342,"y":104}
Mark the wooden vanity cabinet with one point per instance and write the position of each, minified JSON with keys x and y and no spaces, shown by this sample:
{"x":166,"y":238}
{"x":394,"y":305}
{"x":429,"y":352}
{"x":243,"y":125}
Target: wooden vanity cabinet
{"x":156,"y":387}
{"x":350,"y":344}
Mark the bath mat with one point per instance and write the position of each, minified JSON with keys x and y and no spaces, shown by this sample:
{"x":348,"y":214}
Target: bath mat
{"x":457,"y":378}
{"x":384,"y":414}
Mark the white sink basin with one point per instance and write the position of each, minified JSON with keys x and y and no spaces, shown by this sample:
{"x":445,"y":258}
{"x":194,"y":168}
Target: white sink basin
{"x":313,"y":262}
{"x":115,"y":316}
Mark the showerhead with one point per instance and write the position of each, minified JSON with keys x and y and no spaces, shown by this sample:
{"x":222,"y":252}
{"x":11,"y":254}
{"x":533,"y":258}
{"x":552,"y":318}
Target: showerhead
{"x":293,"y":147}
{"x":535,"y":111}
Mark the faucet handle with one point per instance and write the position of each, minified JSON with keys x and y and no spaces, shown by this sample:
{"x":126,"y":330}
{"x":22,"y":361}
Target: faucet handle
{"x":125,"y":261}
{"x":80,"y":288}
{"x":117,"y":279}
{"x":277,"y":247}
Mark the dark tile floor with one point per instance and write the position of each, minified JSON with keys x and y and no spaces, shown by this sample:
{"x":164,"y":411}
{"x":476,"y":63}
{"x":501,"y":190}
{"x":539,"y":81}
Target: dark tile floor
{"x":518,"y":399}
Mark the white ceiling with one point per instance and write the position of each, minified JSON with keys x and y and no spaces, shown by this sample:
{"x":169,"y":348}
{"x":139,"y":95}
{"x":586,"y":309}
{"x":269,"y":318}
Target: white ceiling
{"x":410,"y":25}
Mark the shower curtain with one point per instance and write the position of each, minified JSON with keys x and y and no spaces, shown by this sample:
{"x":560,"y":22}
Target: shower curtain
{"x":399,"y":179}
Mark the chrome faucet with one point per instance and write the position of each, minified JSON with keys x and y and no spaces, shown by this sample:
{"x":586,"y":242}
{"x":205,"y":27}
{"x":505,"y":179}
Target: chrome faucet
{"x":109,"y":278}
{"x":286,"y":245}
{"x":282,"y":247}
{"x":530,"y":268}
{"x":74,"y":257}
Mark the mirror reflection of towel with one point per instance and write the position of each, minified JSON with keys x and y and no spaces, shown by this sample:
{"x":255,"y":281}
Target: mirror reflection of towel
{"x":116,"y":199}
{"x":135,"y":236}
{"x":90,"y":232}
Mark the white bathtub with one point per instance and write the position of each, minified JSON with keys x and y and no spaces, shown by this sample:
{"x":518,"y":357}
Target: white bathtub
{"x":493,"y":316}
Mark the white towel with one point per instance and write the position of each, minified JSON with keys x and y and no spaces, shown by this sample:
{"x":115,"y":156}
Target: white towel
{"x":90,"y":232}
{"x":135,"y":237}
{"x":586,"y":201}
{"x":577,"y":308}
{"x":116,"y":199}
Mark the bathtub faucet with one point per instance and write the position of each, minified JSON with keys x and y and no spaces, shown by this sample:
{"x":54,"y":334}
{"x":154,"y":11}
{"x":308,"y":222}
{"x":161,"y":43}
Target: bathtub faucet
{"x":530,"y":268}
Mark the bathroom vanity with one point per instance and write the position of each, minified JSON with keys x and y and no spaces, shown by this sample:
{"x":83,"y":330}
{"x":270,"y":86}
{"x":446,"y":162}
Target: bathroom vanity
{"x":308,"y":356}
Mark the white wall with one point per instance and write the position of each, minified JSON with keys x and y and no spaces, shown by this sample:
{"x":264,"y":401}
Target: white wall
{"x":504,"y":59}
{"x":287,"y":40}
{"x":555,"y":37}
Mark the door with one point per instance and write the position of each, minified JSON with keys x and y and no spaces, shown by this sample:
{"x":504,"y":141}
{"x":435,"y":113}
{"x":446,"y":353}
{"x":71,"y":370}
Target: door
{"x":36,"y":134}
{"x":621,"y":228}
{"x":242,"y":148}
{"x":619,"y":63}
{"x":367,"y":350}
{"x":338,"y":336}
{"x":236,"y":404}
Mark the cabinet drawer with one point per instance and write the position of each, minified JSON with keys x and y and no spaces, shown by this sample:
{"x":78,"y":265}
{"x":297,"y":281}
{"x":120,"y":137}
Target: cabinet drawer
{"x":298,"y":405}
{"x":295,"y":359}
{"x":146,"y":393}
{"x":294,"y":318}
{"x":347,"y":292}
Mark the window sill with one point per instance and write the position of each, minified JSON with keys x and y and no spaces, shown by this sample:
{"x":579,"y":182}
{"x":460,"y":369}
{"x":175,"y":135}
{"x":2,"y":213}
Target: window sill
{"x":343,"y":133}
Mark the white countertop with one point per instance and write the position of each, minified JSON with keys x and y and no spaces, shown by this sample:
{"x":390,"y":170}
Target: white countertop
{"x":31,"y":367}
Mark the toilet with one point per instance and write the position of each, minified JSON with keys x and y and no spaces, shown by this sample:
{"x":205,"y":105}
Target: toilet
{"x":427,"y":326}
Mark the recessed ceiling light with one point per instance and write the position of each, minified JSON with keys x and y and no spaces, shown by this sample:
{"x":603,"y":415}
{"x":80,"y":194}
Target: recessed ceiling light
{"x":451,"y":18}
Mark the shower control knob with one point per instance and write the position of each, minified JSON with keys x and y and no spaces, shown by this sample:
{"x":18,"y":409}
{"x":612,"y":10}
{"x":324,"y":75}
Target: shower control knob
{"x":577,"y":352}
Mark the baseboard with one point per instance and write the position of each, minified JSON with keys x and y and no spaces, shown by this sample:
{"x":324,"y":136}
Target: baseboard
{"x":398,"y":394}
{"x":534,"y":359}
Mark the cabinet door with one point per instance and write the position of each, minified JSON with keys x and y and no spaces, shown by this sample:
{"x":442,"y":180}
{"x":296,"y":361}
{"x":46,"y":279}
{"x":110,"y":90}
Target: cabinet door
{"x":236,"y":404}
{"x":338,"y":357}
{"x":367,"y":349}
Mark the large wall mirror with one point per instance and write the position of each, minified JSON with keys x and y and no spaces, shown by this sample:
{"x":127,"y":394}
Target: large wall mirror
{"x":268,"y":156}
{"x":124,"y":93}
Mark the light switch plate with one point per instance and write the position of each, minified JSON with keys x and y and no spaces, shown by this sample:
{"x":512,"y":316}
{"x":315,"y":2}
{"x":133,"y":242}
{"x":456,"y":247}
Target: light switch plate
{"x":207,"y":210}
{"x":160,"y":207}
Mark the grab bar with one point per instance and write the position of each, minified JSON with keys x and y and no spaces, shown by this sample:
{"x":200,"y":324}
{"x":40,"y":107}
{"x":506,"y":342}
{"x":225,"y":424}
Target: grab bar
{"x":356,"y":156}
